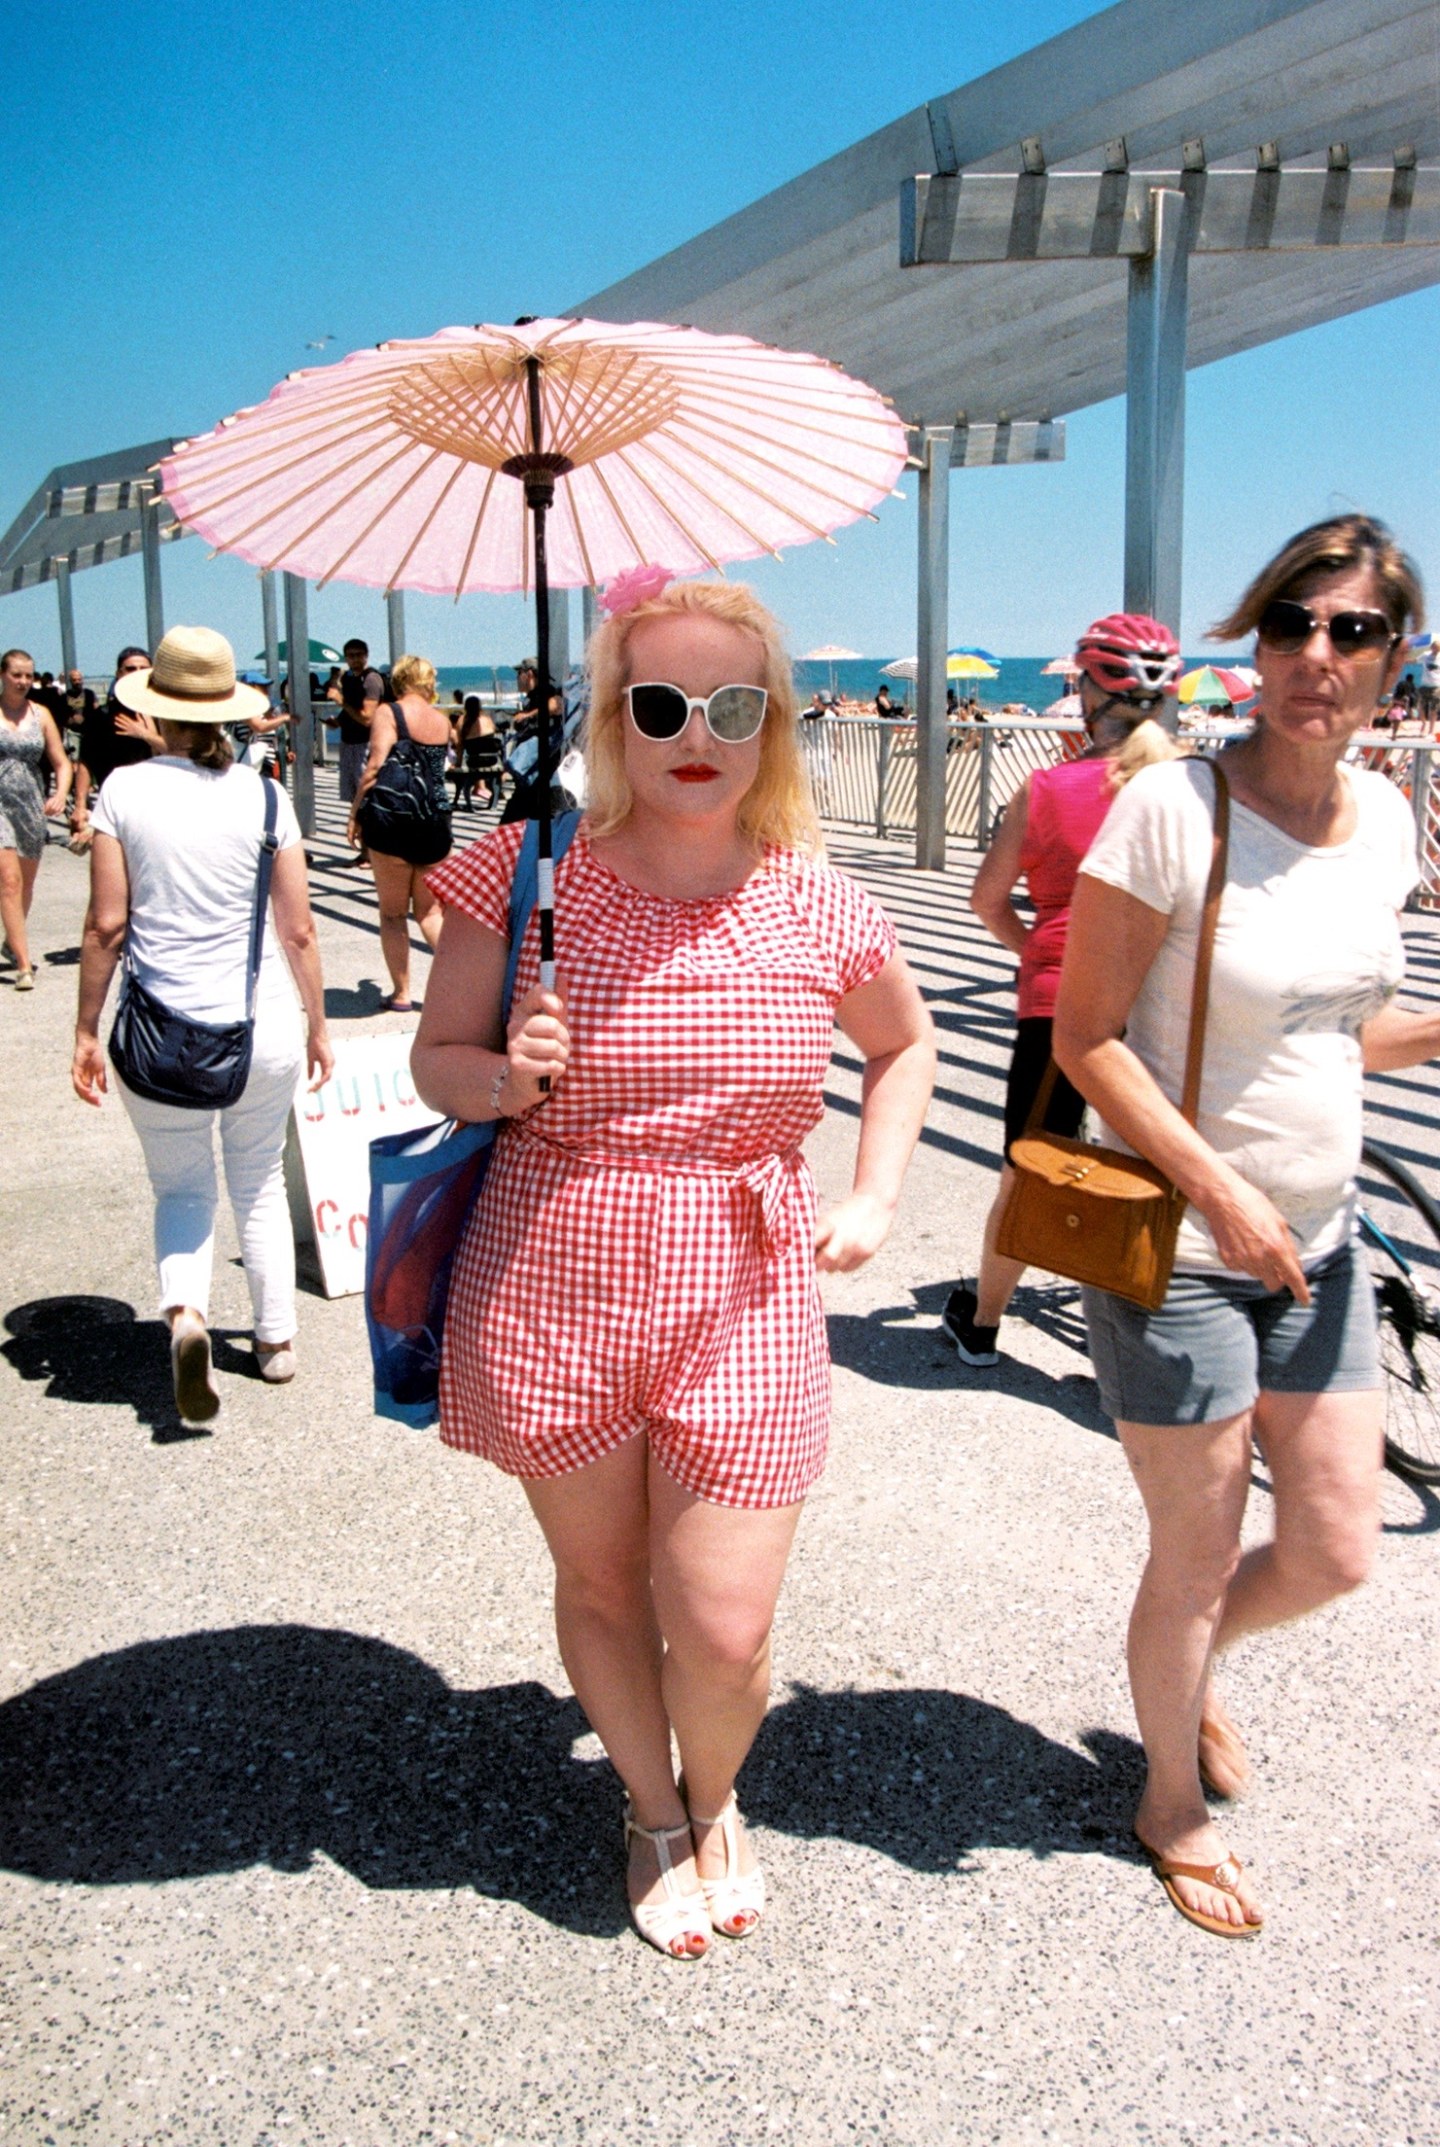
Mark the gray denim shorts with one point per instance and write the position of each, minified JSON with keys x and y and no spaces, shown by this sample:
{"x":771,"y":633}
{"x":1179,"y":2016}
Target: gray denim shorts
{"x":1217,"y":1343}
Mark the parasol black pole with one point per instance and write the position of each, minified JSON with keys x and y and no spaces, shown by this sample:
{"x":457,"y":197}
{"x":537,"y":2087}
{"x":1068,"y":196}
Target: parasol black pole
{"x":538,"y":472}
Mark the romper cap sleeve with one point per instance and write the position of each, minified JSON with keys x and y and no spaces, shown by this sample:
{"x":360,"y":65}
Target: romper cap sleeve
{"x":852,"y":931}
{"x":477,"y":879}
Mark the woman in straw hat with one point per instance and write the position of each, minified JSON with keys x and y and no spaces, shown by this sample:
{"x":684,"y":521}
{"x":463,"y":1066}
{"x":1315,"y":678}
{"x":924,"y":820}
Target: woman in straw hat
{"x":635,"y":1327}
{"x":173,"y":877}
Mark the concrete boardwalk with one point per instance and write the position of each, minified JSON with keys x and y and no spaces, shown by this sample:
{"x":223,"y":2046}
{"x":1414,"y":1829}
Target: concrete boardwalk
{"x":303,"y":1838}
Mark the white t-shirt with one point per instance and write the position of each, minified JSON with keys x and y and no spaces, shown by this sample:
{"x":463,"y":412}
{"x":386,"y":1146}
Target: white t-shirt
{"x":191,"y":838}
{"x":1307,"y":949}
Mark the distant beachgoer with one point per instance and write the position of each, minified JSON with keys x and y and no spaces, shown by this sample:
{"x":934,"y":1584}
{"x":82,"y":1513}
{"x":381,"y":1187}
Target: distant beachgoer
{"x":362,"y":691}
{"x":1128,"y":663}
{"x":403,"y":845}
{"x":79,"y":702}
{"x":112,"y":737}
{"x":29,"y":738}
{"x":1268,"y":1333}
{"x":480,"y":754}
{"x":173,"y":872}
{"x":884,"y":705}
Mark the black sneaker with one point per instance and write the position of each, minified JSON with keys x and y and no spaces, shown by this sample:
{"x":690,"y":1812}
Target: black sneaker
{"x":975,"y":1344}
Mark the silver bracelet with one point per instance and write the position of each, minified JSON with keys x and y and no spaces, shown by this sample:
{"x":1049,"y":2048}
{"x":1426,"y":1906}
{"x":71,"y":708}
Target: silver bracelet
{"x":496,"y":1086}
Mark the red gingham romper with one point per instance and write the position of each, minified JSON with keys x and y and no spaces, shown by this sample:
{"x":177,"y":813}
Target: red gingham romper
{"x":642,"y":1255}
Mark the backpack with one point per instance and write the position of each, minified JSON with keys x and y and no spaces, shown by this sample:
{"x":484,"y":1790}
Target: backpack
{"x":406,"y":813}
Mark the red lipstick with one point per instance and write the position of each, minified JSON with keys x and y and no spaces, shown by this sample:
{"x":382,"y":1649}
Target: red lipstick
{"x":695,"y":771}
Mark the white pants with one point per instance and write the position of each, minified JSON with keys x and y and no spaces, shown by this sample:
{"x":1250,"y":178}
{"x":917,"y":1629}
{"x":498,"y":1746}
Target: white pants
{"x":179,"y":1150}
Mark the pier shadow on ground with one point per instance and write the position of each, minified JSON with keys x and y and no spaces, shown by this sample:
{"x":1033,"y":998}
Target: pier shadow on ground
{"x":270,"y":1745}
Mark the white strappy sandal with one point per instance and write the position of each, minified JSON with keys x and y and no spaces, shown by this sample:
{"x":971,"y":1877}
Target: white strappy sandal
{"x":678,"y":1924}
{"x":737,"y":1901}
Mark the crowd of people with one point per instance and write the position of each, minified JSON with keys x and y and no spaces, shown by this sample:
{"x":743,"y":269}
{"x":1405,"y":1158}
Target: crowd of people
{"x":635,"y":1326}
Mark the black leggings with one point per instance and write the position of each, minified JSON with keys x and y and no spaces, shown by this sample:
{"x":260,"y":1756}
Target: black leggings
{"x":1028,"y":1062}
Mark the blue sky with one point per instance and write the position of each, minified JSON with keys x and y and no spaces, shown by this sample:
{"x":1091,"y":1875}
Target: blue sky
{"x":218,"y":184}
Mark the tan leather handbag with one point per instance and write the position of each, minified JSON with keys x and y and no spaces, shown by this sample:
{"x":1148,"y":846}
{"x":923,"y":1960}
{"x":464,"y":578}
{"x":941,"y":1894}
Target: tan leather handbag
{"x":1095,"y":1214}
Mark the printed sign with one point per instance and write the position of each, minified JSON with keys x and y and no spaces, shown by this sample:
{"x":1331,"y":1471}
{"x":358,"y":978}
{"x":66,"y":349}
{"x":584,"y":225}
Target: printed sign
{"x":369,"y":1093}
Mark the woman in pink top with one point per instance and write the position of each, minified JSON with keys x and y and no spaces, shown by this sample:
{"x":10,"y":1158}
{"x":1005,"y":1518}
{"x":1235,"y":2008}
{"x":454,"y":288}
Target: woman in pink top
{"x":1128,"y":663}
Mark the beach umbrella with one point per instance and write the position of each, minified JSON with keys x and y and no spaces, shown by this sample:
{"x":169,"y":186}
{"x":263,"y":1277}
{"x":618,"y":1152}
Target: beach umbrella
{"x":962,"y":664}
{"x":1210,"y":686}
{"x":903,"y":667}
{"x":320,"y":652}
{"x":1062,"y":667}
{"x":1069,"y":704}
{"x":984,"y":655}
{"x":560,"y":452}
{"x":832,"y":654}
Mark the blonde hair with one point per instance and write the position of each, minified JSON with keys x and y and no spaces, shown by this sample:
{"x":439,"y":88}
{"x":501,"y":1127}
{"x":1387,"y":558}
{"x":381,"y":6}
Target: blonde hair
{"x":778,"y":807}
{"x":1129,"y":747}
{"x":413,"y":674}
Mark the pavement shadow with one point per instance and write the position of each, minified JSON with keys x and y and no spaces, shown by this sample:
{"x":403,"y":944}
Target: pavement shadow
{"x":271,"y":1744}
{"x":95,"y":1351}
{"x":927,"y":1776}
{"x":215,"y":1751}
{"x":891,"y":1347}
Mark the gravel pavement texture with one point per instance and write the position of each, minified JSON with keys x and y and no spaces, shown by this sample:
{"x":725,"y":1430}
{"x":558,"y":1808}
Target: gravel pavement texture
{"x":303,"y":1838}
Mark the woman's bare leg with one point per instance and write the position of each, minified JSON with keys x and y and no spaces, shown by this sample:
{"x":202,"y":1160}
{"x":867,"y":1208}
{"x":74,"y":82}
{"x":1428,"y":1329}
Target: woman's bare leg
{"x":1194,"y":1480}
{"x":998,"y":1277}
{"x":392,"y":892}
{"x":717,"y":1572}
{"x":15,"y":904}
{"x":596,"y":1523}
{"x":1324,"y":1453}
{"x":429,"y":910}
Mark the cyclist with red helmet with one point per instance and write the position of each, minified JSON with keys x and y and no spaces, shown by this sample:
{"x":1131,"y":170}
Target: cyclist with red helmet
{"x":1128,"y":664}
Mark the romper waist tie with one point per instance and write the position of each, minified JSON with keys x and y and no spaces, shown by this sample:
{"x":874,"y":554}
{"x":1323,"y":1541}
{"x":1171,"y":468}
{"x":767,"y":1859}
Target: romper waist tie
{"x":769,"y":1179}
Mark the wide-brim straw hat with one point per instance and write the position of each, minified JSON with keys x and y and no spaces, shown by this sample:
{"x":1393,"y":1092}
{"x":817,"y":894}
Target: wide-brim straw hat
{"x":192,"y":680}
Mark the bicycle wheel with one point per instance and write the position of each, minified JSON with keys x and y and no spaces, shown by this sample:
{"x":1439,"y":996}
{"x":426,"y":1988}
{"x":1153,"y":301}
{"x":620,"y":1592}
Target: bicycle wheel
{"x":1400,"y":1229}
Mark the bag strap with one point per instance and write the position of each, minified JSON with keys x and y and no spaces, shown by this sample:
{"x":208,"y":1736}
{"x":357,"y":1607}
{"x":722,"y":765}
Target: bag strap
{"x":525,"y":888}
{"x":269,"y":845}
{"x":1200,"y":987}
{"x":1205,"y":948}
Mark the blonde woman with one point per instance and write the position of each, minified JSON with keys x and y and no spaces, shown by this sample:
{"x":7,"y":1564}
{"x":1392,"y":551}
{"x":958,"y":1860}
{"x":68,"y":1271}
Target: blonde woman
{"x":635,"y":1327}
{"x":402,"y":815}
{"x":1127,"y":663}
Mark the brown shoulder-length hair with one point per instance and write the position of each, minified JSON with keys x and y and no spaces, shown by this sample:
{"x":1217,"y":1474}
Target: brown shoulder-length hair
{"x":778,"y":807}
{"x":1333,"y":547}
{"x":207,"y":744}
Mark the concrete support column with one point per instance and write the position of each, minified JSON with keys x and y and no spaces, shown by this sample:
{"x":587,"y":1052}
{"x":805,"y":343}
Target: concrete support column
{"x":395,"y":622}
{"x":302,"y":715}
{"x":1155,"y":415}
{"x":150,"y":559}
{"x":931,"y":637}
{"x":66,"y":603}
{"x":559,"y":634}
{"x":270,"y":633}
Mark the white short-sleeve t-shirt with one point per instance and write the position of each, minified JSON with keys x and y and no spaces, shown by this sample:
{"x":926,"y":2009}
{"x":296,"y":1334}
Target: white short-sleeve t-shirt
{"x":191,"y":838}
{"x":1307,"y":949}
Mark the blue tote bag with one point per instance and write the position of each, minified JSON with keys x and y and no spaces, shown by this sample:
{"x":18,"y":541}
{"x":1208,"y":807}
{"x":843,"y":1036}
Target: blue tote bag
{"x":423,"y":1186}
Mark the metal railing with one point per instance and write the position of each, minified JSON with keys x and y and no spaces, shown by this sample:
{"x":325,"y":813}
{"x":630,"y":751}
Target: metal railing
{"x":863,"y":772}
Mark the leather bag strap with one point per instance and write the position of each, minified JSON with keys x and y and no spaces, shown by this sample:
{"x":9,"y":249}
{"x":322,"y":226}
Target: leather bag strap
{"x":1205,"y":947}
{"x":1200,"y":988}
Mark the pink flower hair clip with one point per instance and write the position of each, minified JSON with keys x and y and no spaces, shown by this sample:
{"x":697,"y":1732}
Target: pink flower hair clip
{"x":636,"y":586}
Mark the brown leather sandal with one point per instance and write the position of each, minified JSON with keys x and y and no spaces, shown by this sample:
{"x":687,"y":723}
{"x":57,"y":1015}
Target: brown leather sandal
{"x":1222,"y":1877}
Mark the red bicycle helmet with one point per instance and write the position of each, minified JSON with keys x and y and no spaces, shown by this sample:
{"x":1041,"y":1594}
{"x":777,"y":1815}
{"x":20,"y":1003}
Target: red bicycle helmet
{"x":1130,"y":657}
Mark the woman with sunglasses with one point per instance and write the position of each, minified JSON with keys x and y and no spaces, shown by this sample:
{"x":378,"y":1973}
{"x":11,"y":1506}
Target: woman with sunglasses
{"x":635,"y":1326}
{"x":1268,"y":1330}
